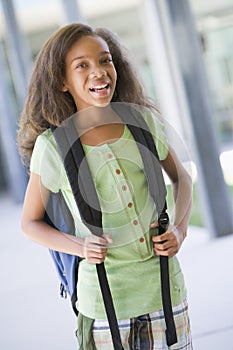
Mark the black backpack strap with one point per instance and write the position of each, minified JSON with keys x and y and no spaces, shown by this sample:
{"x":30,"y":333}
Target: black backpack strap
{"x":81,"y":182}
{"x":147,"y":148}
{"x":157,"y":188}
{"x":171,"y":335}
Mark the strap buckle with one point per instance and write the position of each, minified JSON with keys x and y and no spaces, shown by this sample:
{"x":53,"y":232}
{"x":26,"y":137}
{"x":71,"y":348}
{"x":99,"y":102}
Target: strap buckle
{"x":163,"y":221}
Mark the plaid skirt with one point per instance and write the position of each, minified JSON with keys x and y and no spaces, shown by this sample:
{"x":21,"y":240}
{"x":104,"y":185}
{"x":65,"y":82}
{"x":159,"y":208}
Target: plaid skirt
{"x":146,"y":332}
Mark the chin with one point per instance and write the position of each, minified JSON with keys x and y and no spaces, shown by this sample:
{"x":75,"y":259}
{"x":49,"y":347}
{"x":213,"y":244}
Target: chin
{"x":102,"y":103}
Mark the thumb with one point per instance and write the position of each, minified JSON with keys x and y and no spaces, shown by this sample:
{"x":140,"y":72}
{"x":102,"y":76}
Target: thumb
{"x":154,"y":224}
{"x":108,"y":237}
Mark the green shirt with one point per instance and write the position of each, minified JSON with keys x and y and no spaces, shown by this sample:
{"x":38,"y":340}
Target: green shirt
{"x":127,"y":210}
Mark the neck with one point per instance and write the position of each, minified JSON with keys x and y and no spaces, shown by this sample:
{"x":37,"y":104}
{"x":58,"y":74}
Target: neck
{"x":94,"y":117}
{"x":107,"y":133}
{"x":98,"y":125}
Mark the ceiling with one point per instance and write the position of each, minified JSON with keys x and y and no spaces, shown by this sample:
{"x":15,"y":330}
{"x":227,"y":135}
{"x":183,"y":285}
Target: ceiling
{"x":43,"y":13}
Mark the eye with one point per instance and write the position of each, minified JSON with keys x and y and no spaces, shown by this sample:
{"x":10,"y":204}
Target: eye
{"x":106,"y":60}
{"x":81,"y":65}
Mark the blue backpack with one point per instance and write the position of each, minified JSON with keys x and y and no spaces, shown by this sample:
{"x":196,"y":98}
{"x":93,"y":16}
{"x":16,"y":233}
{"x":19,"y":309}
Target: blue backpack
{"x":58,"y":214}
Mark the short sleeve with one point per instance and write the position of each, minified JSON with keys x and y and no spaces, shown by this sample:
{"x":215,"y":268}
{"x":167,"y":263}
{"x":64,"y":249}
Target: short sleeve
{"x":46,"y":162}
{"x":157,"y":129}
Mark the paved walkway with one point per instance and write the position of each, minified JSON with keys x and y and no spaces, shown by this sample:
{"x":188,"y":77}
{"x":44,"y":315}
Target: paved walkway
{"x":34,"y":317}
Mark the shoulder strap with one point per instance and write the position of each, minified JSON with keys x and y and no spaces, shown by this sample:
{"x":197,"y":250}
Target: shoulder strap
{"x":146,"y":145}
{"x":145,"y":142}
{"x":84,"y":191}
{"x":79,"y":176}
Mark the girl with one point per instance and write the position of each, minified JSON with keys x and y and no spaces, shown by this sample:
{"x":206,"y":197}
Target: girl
{"x":81,"y":70}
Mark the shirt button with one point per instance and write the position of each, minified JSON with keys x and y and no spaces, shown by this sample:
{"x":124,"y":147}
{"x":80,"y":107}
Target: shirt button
{"x":135,"y":222}
{"x":110,"y":155}
{"x":142,"y":239}
{"x":124,"y":188}
{"x":130,"y":205}
{"x":118,"y":171}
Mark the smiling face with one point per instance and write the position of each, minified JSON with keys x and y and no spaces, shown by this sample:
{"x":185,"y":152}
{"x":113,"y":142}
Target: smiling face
{"x":90,"y":73}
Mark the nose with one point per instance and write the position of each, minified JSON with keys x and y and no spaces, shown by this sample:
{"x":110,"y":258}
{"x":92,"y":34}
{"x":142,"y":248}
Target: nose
{"x":97,"y":72}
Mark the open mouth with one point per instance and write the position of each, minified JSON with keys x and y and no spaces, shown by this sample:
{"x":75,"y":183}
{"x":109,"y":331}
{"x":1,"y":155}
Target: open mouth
{"x":99,"y":88}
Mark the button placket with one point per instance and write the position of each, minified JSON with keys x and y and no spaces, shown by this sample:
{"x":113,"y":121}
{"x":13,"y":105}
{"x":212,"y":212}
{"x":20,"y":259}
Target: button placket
{"x":140,"y":235}
{"x":121,"y":182}
{"x":106,"y":157}
{"x":126,"y":197}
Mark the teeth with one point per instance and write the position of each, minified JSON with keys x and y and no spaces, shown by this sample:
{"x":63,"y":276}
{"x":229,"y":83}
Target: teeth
{"x":99,"y":87}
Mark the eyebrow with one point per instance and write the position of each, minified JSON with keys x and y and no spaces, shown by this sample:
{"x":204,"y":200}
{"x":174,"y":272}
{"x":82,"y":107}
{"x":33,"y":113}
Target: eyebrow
{"x":83,"y":57}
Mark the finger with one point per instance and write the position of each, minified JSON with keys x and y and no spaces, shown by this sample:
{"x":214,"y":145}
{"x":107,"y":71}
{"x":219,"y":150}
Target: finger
{"x":172,"y":251}
{"x":169,"y":253}
{"x":161,"y":252}
{"x":97,"y":257}
{"x":160,"y":238}
{"x":107,"y":237}
{"x":98,"y":248}
{"x":94,"y":250}
{"x":165,"y":245}
{"x":154,"y":224}
{"x":161,"y":247}
{"x":95,"y":260}
{"x":97,"y":240}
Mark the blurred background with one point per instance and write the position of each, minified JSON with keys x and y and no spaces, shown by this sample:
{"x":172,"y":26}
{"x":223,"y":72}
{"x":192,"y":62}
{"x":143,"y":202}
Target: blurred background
{"x":183,"y":51}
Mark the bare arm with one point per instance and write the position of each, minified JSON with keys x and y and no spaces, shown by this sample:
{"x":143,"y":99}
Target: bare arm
{"x":92,"y":248}
{"x":182,"y":192}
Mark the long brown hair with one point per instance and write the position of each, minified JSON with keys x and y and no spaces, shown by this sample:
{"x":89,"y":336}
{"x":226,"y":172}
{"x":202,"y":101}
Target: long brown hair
{"x":48,"y":105}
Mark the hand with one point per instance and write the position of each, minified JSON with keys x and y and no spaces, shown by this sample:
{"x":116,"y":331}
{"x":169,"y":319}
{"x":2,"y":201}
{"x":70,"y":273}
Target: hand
{"x":168,"y":243}
{"x":95,"y":248}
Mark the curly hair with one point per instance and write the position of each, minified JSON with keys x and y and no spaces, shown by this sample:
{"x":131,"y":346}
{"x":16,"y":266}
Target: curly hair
{"x":48,"y":105}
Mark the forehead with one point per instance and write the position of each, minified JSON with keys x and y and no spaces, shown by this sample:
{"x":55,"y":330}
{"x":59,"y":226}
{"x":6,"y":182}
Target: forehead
{"x":86,"y":46}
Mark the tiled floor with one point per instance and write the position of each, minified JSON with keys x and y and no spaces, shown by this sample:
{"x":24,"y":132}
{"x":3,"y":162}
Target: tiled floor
{"x":34,"y":317}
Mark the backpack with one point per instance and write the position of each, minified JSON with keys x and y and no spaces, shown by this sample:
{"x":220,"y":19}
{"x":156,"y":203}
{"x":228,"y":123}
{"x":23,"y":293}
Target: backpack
{"x":58,"y":214}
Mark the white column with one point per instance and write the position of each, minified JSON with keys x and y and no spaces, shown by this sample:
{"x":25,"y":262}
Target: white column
{"x":16,"y":178}
{"x":162,"y":56}
{"x":72,"y":11}
{"x":19,"y":54}
{"x":182,"y":88}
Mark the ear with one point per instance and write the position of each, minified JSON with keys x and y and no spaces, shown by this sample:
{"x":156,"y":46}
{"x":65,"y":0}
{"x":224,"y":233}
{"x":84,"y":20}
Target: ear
{"x":64,"y":87}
